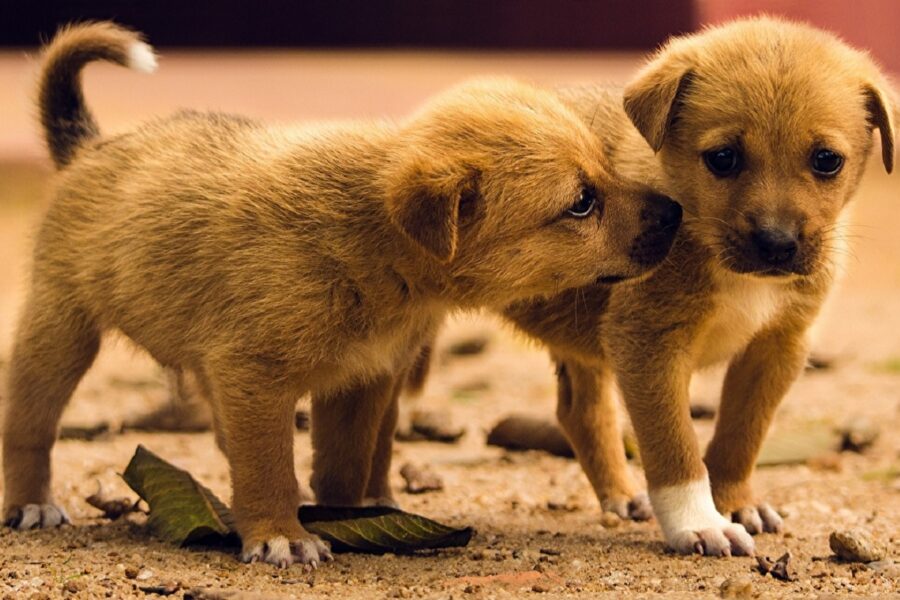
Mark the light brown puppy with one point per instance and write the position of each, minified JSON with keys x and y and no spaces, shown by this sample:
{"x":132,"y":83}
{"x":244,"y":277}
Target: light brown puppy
{"x":271,"y":262}
{"x":762,"y":128}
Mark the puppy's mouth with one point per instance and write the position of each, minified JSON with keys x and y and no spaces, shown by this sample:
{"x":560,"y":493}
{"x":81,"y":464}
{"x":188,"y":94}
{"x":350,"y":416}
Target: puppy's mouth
{"x":738,"y":262}
{"x":744,"y":255}
{"x":768,"y":273}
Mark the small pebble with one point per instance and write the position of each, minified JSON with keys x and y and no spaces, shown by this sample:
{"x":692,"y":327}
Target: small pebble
{"x":166,"y":589}
{"x":855,"y":545}
{"x":703,"y":411}
{"x":736,"y":587}
{"x":420,"y":479}
{"x":779,"y":569}
{"x":479,"y":555}
{"x":858,"y":434}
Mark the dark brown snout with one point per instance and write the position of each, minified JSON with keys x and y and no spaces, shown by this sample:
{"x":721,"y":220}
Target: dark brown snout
{"x":774,"y":247}
{"x":773,"y":250}
{"x":661,"y":217}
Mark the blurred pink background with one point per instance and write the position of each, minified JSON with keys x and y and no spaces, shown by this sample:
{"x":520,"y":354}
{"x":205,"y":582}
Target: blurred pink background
{"x":272,"y":63}
{"x":870,"y":24}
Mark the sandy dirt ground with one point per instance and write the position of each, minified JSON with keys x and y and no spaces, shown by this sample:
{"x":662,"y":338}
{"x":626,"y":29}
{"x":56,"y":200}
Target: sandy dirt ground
{"x":539,"y":527}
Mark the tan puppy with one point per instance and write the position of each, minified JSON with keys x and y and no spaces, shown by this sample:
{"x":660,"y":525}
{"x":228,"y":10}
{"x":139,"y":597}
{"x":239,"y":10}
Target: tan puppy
{"x":271,"y":262}
{"x":762,"y":128}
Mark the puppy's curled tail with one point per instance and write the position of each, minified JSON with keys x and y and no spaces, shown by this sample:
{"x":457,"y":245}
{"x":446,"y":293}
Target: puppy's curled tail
{"x":66,"y":120}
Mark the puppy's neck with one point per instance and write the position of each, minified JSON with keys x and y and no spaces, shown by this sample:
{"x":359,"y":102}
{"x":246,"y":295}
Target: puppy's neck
{"x":348,"y":221}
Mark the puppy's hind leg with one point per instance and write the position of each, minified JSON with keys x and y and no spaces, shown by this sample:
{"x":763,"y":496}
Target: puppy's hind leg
{"x":378,"y":490}
{"x":55,"y":345}
{"x":587,"y":411}
{"x":345,"y":434}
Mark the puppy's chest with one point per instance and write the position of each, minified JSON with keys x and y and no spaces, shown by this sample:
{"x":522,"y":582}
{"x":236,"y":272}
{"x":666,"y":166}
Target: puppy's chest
{"x":742,"y":307}
{"x":387,"y":345}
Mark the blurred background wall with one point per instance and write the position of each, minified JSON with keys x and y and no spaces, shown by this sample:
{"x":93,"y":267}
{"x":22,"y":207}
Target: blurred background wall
{"x":870,"y":24}
{"x":563,"y":24}
{"x":477,"y":24}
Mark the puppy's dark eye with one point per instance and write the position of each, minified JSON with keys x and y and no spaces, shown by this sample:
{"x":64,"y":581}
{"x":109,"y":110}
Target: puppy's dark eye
{"x":585,"y":203}
{"x":827,"y":163}
{"x":723,"y":162}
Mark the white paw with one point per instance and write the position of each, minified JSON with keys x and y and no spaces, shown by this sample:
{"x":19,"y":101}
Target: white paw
{"x":689,"y":520}
{"x":281,"y":552}
{"x":728,"y":539}
{"x":636,"y":508}
{"x":37,"y":516}
{"x":758,"y":519}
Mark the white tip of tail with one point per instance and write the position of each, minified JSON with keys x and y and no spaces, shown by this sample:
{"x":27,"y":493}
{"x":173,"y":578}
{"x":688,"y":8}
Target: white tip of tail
{"x":141,"y":57}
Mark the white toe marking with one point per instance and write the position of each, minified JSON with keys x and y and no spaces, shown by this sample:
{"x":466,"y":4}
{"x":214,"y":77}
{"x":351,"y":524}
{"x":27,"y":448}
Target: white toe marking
{"x":307,"y":552}
{"x":253,"y":554}
{"x":279,"y":551}
{"x":771,"y":519}
{"x":31,"y":517}
{"x":685,"y":507}
{"x":141,"y":57}
{"x":51,"y":516}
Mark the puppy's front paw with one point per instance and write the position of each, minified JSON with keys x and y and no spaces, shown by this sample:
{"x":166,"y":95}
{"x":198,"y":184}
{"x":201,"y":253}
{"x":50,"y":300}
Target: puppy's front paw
{"x":278,"y":550}
{"x":692,"y":524}
{"x":758,"y":519}
{"x":636,"y":508}
{"x":36,"y":516}
{"x":727,"y":539}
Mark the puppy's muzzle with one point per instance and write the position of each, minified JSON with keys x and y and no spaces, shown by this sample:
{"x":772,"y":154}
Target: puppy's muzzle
{"x":773,"y":251}
{"x":661,"y":217}
{"x":774,"y":247}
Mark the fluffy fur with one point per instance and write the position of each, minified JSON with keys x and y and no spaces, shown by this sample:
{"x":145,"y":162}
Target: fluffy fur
{"x":777,"y":92}
{"x":271,"y":262}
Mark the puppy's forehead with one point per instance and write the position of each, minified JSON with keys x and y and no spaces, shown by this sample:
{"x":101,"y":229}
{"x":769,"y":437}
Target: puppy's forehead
{"x":779,"y":109}
{"x":784,"y":87}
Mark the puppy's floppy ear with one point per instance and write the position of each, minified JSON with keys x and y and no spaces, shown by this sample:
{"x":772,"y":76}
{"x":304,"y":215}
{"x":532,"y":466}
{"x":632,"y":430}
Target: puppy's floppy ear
{"x":424,"y":200}
{"x":652,"y":98}
{"x":881,"y":115}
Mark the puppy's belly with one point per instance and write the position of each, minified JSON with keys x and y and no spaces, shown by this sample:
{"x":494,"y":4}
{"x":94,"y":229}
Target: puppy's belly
{"x":743,"y":307}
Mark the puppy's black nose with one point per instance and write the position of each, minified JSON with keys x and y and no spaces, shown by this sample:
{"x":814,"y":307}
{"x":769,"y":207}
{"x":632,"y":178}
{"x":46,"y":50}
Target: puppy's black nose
{"x":663,"y":212}
{"x":660,"y":216}
{"x":775,"y":246}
